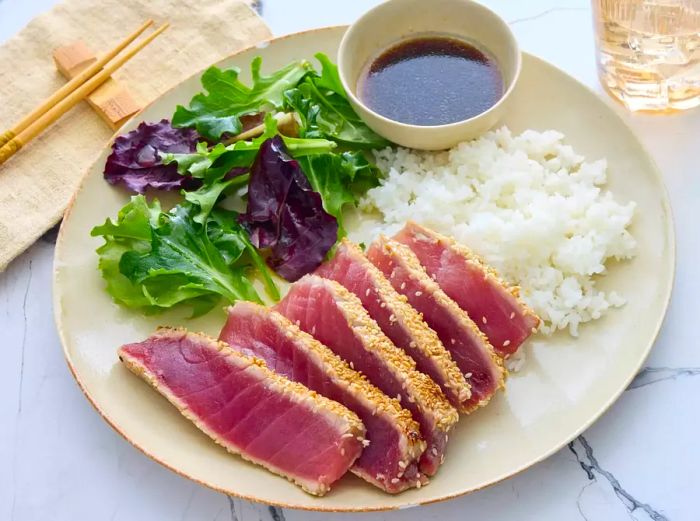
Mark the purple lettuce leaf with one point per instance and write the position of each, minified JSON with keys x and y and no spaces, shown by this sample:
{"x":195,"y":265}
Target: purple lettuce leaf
{"x":136,"y":156}
{"x":285,"y":215}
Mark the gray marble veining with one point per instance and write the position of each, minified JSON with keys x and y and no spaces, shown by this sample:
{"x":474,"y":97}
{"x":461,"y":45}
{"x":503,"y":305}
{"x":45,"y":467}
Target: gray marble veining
{"x":588,"y":462}
{"x":653,"y":375}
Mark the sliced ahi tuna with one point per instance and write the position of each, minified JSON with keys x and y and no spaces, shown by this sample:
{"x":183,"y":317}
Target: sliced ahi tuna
{"x":248,"y":409}
{"x":336,"y":318}
{"x":390,"y":459}
{"x":468,"y":345}
{"x":397,"y":318}
{"x":474,"y":286}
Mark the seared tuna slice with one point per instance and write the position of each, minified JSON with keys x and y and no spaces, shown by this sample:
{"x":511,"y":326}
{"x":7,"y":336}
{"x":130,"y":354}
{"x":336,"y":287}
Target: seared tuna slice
{"x":475,"y":287}
{"x":248,"y":409}
{"x":468,"y":345}
{"x":336,"y":318}
{"x":397,"y":319}
{"x":390,"y":459}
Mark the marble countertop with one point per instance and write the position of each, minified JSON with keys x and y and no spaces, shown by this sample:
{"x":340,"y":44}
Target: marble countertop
{"x":60,"y":461}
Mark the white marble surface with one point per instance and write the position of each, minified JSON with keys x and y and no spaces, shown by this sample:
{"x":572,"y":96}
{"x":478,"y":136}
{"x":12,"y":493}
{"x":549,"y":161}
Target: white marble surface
{"x":60,"y":461}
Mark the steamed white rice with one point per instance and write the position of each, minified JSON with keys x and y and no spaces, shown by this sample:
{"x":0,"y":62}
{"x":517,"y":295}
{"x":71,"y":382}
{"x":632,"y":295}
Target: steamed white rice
{"x":529,"y":204}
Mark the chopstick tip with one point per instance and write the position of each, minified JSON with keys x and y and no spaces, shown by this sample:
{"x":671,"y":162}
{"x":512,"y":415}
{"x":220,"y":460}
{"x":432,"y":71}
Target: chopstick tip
{"x":160,"y":29}
{"x":145,"y":25}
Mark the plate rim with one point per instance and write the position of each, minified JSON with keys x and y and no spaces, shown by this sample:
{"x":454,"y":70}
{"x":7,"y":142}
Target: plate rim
{"x":667,"y":293}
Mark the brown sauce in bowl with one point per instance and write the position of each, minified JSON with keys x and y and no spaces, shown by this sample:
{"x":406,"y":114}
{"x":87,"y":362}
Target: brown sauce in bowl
{"x":432,"y":80}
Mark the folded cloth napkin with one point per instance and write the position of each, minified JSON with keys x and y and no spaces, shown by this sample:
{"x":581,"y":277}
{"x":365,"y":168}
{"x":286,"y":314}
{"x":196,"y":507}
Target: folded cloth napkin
{"x":38,"y":182}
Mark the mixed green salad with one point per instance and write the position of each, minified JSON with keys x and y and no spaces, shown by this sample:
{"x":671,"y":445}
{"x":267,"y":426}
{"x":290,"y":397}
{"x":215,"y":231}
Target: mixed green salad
{"x":264,"y":172}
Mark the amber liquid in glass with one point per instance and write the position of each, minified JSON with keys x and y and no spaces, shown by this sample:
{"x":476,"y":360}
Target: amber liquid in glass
{"x":649,"y":52}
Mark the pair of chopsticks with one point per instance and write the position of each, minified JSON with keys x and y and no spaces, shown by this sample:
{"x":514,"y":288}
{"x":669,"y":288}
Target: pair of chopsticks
{"x":72,"y":93}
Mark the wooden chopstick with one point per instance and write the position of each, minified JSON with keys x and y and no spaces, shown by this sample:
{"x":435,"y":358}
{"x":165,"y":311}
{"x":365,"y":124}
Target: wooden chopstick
{"x":37,"y":126}
{"x":71,"y":85}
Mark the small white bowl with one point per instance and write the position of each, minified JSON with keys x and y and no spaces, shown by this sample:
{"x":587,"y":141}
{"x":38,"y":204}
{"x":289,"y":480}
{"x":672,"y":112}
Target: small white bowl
{"x":397,"y":20}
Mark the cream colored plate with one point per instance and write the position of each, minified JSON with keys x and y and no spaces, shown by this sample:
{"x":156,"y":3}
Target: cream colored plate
{"x":566,"y":384}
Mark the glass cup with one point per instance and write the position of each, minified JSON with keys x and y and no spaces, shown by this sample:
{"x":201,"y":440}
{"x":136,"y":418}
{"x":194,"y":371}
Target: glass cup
{"x":649,"y":52}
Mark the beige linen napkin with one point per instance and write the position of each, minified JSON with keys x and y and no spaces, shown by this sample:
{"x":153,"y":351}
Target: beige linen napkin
{"x":38,"y":182}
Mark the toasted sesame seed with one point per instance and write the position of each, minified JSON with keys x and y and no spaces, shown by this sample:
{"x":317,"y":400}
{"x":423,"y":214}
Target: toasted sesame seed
{"x":467,"y":375}
{"x":447,"y":438}
{"x":380,"y":477}
{"x":534,"y":330}
{"x":347,"y":435}
{"x":313,"y":330}
{"x":402,"y":464}
{"x":442,"y":459}
{"x":382,"y":305}
{"x":394,"y":481}
{"x":403,"y":285}
{"x":398,"y":397}
{"x":512,"y":315}
{"x":483,"y":319}
{"x":433,"y":451}
{"x":418,"y":484}
{"x":453,"y":341}
{"x":506,"y":343}
{"x":412,"y":344}
{"x":352,"y":365}
{"x":411,"y":399}
{"x":367,"y":293}
{"x":365,"y":443}
{"x":392,"y":318}
{"x":342,"y":451}
{"x":298,"y":323}
{"x":419,"y":293}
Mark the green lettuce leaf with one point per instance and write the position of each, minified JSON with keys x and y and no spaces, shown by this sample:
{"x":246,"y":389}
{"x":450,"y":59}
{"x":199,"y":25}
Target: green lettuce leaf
{"x":340,"y":179}
{"x":131,"y":232}
{"x":364,"y":174}
{"x":209,"y":194}
{"x":153,"y":260}
{"x":241,"y":153}
{"x":330,"y":78}
{"x":324,"y":110}
{"x":232,"y":241}
{"x":218,"y":111}
{"x":217,"y":166}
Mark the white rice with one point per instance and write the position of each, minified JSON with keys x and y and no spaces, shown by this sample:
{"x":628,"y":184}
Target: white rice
{"x":529,"y":204}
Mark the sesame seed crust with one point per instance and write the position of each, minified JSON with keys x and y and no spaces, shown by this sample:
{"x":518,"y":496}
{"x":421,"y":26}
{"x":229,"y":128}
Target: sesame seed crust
{"x":298,"y":392}
{"x":342,"y":374}
{"x":403,"y":256}
{"x":420,"y":387}
{"x":478,"y":262}
{"x":425,"y":340}
{"x":346,"y":421}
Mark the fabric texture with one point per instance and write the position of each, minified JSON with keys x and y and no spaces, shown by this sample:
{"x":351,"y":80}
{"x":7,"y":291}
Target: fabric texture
{"x":37,"y":183}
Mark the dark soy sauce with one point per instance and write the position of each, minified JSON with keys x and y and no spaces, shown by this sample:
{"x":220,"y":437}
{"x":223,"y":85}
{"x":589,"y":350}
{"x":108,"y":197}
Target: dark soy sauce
{"x":432,"y":80}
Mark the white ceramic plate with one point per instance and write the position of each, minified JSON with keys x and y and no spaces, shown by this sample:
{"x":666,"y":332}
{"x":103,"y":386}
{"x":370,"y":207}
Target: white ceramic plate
{"x":566,"y":384}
